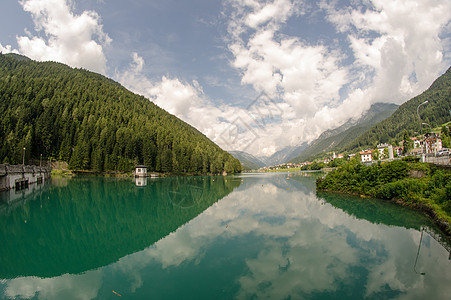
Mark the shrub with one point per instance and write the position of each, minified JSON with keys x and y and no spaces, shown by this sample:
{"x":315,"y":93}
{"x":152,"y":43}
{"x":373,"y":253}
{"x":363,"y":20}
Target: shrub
{"x":403,"y":189}
{"x":411,"y":158}
{"x":393,"y":171}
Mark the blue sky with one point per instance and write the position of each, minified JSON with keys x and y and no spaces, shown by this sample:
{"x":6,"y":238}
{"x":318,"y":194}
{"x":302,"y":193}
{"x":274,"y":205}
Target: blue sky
{"x":251,"y":75}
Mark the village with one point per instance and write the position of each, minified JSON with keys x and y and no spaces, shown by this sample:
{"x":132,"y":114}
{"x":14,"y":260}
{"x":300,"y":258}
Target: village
{"x":429,"y":149}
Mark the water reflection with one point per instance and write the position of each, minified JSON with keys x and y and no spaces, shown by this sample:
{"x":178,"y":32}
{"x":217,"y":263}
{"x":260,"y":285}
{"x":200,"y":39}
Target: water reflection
{"x":140,"y":181}
{"x":272,"y":238}
{"x":93,"y":222}
{"x":376,"y":211}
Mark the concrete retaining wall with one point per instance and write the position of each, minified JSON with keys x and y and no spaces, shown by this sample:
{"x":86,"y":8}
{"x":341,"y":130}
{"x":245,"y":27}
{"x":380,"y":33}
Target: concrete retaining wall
{"x":20,"y":176}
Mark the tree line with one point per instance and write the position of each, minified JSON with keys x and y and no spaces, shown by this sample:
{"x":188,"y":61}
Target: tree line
{"x":94,"y":123}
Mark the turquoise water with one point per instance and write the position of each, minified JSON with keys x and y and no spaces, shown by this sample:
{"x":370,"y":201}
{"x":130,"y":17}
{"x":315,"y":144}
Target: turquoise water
{"x":257,"y":236}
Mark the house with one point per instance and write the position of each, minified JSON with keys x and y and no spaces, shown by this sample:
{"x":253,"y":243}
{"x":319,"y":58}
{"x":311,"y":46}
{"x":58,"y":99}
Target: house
{"x":381,"y":148}
{"x":366,"y":155}
{"x":416,"y":142}
{"x":140,"y":171}
{"x":335,"y":156}
{"x":432,"y":143}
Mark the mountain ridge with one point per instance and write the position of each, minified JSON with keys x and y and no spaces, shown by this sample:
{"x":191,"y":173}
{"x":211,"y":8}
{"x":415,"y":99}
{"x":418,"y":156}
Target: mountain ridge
{"x":248,"y":161}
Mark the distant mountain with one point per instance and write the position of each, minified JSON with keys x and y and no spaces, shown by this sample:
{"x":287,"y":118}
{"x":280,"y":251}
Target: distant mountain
{"x":339,"y":137}
{"x":248,"y":161}
{"x":284,"y":155}
{"x":94,"y":123}
{"x":434,"y":113}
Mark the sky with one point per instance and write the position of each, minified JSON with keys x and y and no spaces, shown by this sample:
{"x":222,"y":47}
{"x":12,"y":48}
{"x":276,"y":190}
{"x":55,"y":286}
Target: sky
{"x":254,"y":76}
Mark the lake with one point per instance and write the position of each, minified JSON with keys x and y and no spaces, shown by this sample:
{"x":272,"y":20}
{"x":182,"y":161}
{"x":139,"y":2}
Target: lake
{"x":249,"y":236}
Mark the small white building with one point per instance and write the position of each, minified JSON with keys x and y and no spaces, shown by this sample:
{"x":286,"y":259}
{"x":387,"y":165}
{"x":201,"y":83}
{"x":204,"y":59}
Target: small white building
{"x":366,"y":155}
{"x":381,"y":148}
{"x":416,"y":142}
{"x":141,"y":171}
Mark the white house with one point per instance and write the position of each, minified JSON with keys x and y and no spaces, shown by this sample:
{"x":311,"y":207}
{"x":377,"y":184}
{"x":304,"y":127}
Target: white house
{"x":141,"y":171}
{"x":381,"y":148}
{"x":366,"y":155}
{"x":416,"y":142}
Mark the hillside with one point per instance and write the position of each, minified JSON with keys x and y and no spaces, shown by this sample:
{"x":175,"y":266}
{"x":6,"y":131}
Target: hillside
{"x":435,"y":113}
{"x":248,"y":161}
{"x":338,"y":138}
{"x":94,"y":123}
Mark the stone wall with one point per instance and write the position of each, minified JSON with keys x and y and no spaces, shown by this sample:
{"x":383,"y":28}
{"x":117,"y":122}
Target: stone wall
{"x":19,"y":175}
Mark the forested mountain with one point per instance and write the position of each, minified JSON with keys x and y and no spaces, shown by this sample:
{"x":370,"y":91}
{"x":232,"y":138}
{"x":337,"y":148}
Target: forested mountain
{"x":248,"y":161}
{"x":94,"y":123}
{"x":434,"y":113}
{"x":337,"y":138}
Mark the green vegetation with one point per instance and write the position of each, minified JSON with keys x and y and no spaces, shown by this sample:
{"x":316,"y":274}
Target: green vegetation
{"x":405,"y":118}
{"x":94,"y":123}
{"x":418,"y":185}
{"x":109,"y":219}
{"x":62,"y":173}
{"x":446,"y":135}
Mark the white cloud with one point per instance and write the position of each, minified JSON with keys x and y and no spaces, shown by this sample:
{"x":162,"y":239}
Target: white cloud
{"x":311,"y":248}
{"x":229,"y":126}
{"x":67,"y":286}
{"x":305,"y":78}
{"x":76,"y":40}
{"x":263,"y":127}
{"x":300,"y":80}
{"x":399,"y":41}
{"x":305,"y":245}
{"x":392,"y":51}
{"x":8,"y":49}
{"x":396,"y":48}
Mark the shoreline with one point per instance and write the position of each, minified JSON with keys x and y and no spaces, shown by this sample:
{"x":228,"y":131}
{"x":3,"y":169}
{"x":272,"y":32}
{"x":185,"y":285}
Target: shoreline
{"x":71,"y":173}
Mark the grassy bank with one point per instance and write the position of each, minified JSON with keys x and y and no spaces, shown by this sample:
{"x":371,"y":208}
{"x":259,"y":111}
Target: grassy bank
{"x":63,"y":173}
{"x":418,"y":185}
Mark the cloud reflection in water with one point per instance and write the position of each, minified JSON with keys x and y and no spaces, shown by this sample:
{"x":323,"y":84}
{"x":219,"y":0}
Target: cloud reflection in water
{"x":297,"y":246}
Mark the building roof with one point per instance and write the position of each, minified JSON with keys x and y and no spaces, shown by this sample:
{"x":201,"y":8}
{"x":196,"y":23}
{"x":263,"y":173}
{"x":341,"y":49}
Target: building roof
{"x":140,"y":166}
{"x":370,"y":151}
{"x":380,"y":146}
